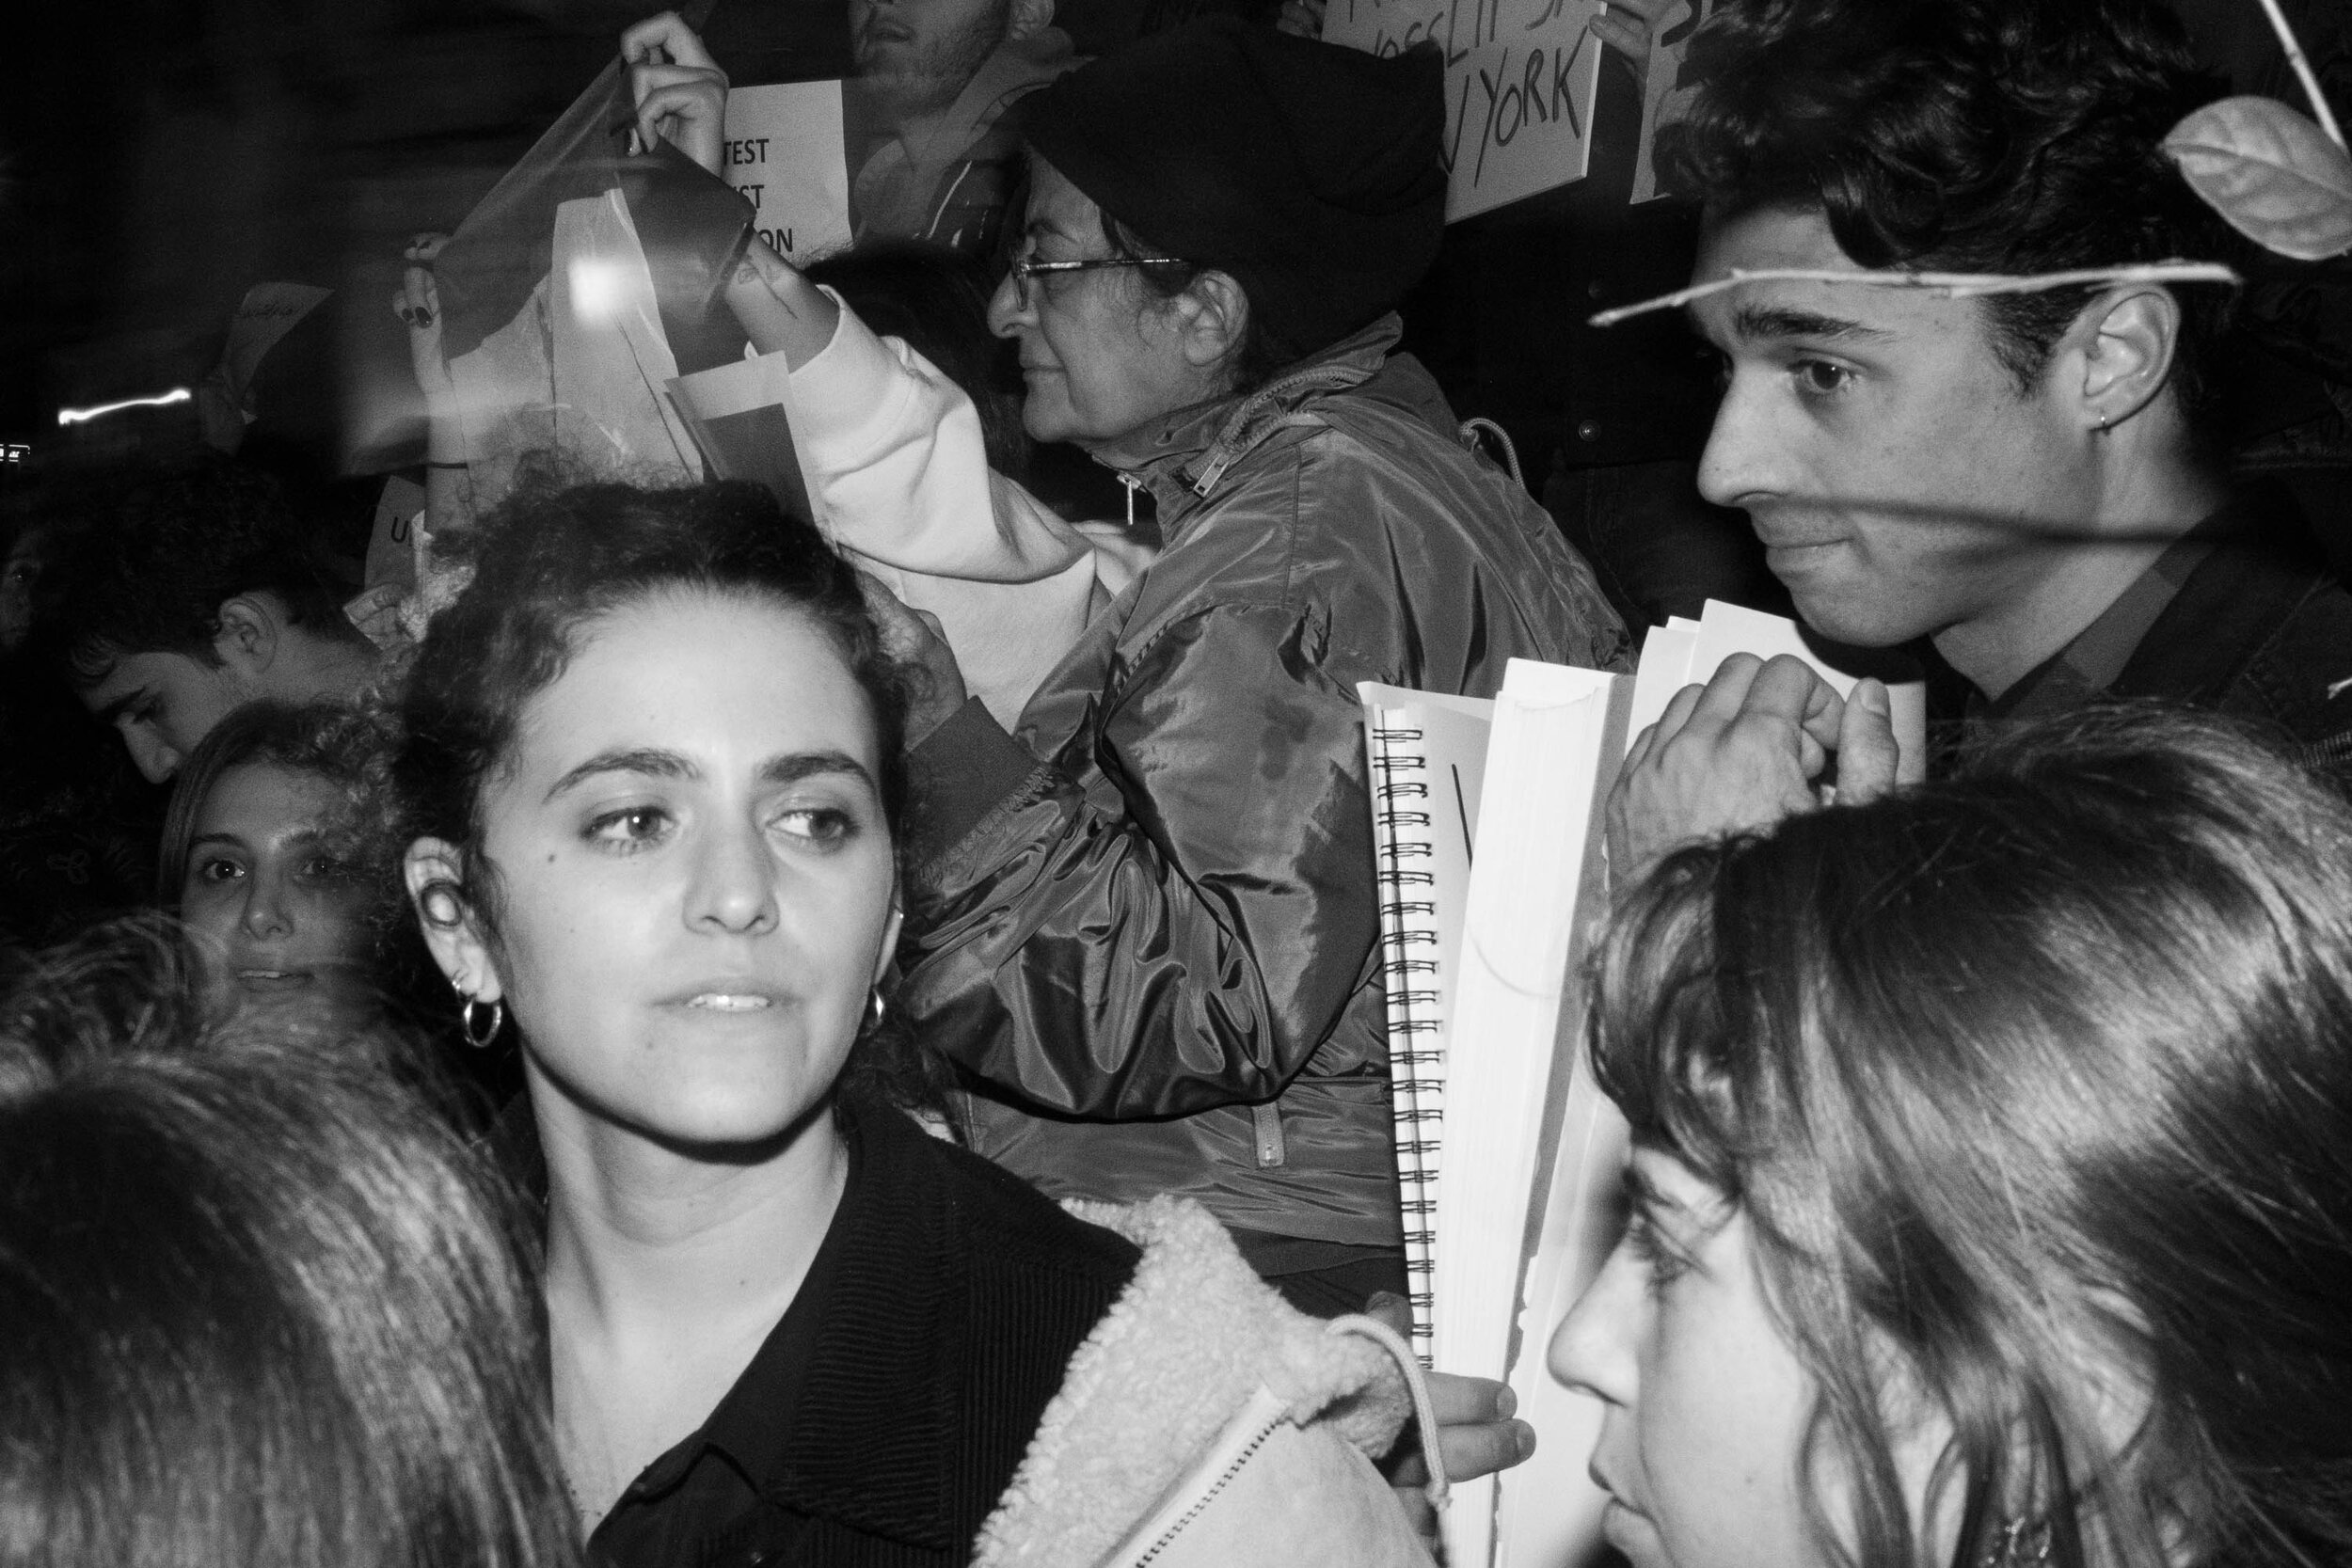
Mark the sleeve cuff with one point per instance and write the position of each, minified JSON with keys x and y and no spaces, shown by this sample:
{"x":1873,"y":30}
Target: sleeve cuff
{"x":961,"y":772}
{"x":840,"y":394}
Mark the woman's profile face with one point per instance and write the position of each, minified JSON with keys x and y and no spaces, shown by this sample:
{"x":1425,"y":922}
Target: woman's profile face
{"x":277,"y":917}
{"x":1704,"y":1402}
{"x":1099,"y":355}
{"x":695,"y":881}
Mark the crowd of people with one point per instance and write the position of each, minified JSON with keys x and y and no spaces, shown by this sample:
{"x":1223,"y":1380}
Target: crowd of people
{"x":847,"y":1026}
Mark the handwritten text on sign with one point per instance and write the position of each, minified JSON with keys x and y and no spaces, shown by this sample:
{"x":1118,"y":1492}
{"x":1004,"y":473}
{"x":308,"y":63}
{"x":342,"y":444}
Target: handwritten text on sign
{"x":785,"y":155}
{"x":1519,"y":88}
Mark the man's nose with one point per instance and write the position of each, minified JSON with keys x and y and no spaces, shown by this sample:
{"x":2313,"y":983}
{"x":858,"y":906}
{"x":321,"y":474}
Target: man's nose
{"x":156,"y":758}
{"x":1742,"y":453}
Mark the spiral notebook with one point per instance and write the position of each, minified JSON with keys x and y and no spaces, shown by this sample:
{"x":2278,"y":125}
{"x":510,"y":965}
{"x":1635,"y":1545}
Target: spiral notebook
{"x":1428,"y":761}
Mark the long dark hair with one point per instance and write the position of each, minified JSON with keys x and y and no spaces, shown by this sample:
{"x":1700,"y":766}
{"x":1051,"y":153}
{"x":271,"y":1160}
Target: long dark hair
{"x":262,"y":1307}
{"x":2026,"y":1081}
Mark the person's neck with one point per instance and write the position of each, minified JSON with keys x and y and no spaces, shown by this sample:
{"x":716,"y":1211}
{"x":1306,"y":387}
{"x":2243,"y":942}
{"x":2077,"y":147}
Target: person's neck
{"x":329,"y":670}
{"x":649,"y":1246}
{"x":2143,"y":502}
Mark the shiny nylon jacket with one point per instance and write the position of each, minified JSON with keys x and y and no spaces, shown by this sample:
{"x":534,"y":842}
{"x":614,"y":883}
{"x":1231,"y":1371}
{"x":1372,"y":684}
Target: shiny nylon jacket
{"x":1171,"y":923}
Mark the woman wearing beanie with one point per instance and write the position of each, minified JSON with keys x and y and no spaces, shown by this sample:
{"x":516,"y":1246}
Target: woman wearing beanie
{"x":1145,"y":921}
{"x":1149,"y":922}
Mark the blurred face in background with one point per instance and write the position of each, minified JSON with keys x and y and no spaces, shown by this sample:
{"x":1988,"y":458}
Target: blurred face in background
{"x":916,"y":56}
{"x":277,"y":917}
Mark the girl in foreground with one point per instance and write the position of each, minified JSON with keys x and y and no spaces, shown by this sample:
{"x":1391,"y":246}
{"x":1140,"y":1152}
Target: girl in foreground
{"x":653,"y":764}
{"x":1992,"y":1178}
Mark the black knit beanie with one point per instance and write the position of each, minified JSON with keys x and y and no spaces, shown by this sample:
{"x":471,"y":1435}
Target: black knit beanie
{"x":1308,"y":171}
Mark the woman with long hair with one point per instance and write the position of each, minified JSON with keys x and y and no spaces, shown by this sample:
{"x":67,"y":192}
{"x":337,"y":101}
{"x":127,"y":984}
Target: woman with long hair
{"x":272,"y":857}
{"x":1992,"y":1172}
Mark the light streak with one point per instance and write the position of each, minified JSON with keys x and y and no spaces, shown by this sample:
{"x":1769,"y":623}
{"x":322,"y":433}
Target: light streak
{"x":161,"y":400}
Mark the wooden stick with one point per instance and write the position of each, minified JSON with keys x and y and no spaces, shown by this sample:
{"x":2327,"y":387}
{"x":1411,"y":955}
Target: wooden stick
{"x":2302,"y":65}
{"x":1952,"y":285}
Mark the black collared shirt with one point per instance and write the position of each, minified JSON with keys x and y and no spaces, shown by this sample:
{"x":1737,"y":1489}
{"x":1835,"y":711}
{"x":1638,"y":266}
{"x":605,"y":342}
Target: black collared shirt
{"x":708,"y":1496}
{"x":887,"y":1410}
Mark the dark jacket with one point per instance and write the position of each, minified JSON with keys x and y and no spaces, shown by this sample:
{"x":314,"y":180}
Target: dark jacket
{"x":956,"y":1296}
{"x":1156,"y":910}
{"x":2263,"y":631}
{"x":2259,"y":629}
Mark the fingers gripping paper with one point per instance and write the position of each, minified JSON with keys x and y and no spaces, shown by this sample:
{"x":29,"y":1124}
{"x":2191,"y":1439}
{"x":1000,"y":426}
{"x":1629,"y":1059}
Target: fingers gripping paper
{"x":1504,"y":1137}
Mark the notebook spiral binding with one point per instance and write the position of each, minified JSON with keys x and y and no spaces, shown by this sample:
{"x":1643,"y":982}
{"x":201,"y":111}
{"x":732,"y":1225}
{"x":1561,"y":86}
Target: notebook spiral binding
{"x":1409,"y":942}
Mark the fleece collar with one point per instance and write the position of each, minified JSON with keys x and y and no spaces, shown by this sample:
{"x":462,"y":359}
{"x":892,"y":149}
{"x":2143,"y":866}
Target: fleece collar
{"x":1195,"y":1334}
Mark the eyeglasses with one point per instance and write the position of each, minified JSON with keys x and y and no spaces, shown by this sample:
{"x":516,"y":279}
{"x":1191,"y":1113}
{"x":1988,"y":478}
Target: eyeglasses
{"x":1025,"y":268}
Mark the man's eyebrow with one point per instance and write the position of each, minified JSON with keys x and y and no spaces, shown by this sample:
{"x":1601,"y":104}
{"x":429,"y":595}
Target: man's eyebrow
{"x":124,"y":704}
{"x":794,"y":766}
{"x":650,"y":761}
{"x":1780,"y":321}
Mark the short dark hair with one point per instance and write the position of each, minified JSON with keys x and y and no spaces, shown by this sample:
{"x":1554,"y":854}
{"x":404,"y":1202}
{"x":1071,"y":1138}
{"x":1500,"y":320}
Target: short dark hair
{"x":148,"y":556}
{"x":258,"y":1311}
{"x":1972,"y":135}
{"x":2049,"y":1061}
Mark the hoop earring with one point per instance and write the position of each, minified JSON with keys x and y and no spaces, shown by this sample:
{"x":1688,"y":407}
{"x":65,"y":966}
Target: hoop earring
{"x":479,"y":1039}
{"x":876,"y":1013}
{"x":2023,"y":1543}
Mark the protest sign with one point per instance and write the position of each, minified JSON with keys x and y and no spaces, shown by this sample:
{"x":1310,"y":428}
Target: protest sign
{"x":1661,"y":99}
{"x":787,"y":156}
{"x":1519,"y":81}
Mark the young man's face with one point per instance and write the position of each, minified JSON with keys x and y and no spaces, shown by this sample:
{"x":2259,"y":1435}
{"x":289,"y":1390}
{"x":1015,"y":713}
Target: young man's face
{"x":1901,"y":482}
{"x":919,"y":53}
{"x":161,"y":704}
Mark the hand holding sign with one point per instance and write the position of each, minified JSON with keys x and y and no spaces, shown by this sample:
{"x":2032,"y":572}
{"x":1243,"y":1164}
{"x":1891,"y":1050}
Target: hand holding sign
{"x":679,"y":91}
{"x":1630,"y":27}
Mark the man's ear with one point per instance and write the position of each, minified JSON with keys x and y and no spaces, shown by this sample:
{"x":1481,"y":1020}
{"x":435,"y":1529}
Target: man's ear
{"x":1213,"y":319}
{"x":252,"y":628}
{"x":2129,"y":338}
{"x":452,"y":931}
{"x":1028,"y":18}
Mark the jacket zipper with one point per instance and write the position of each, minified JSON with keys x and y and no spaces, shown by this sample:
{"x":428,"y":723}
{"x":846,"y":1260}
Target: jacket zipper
{"x":1201,"y":1502}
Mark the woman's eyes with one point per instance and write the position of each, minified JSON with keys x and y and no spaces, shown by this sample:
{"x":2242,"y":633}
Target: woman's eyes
{"x":218,"y":871}
{"x":819,"y":825}
{"x":632,"y":829}
{"x":1662,"y":1260}
{"x":637,"y":828}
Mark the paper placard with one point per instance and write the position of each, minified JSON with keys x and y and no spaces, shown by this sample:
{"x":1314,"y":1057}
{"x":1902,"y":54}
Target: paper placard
{"x":1661,"y":100}
{"x":392,"y":542}
{"x":785,"y":154}
{"x":1519,"y":79}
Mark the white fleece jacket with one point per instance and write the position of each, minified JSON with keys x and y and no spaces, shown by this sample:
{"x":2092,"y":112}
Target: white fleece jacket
{"x":1132,"y":1434}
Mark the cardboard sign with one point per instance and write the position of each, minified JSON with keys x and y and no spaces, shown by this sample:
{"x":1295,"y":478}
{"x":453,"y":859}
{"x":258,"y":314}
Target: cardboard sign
{"x":1519,"y":75}
{"x":1660,"y":98}
{"x":787,"y":155}
{"x":392,"y":542}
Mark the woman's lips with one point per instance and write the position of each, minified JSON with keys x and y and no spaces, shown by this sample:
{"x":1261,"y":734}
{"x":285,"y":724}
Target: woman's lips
{"x":267,"y":980}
